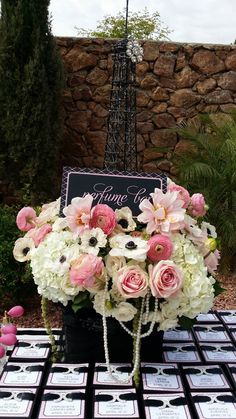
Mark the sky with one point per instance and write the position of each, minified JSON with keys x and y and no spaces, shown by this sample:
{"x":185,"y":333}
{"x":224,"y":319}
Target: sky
{"x":201,"y":21}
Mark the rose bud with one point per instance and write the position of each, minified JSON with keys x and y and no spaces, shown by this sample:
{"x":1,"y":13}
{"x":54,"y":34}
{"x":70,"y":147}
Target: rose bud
{"x":9,"y":339}
{"x":16,"y":311}
{"x":2,"y":351}
{"x":9,"y":328}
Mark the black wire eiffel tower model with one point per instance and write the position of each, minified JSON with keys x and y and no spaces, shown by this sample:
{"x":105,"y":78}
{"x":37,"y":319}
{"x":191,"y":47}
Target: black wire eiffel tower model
{"x":121,"y":145}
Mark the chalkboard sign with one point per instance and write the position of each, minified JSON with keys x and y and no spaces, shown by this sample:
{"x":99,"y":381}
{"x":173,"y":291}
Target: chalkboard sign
{"x":116,"y":189}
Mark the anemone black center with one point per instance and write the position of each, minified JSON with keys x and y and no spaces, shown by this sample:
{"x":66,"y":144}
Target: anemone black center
{"x":131,"y":245}
{"x":62,"y":259}
{"x":93,"y":241}
{"x":123,"y":223}
{"x":25,"y":251}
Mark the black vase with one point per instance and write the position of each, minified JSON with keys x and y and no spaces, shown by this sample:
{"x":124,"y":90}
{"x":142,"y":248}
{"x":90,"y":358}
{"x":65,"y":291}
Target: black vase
{"x":83,"y":333}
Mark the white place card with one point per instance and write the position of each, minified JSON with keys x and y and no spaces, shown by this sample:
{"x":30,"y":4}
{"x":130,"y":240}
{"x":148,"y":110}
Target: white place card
{"x":228,"y":316}
{"x":214,"y":405}
{"x":62,"y":404}
{"x":180,"y":352}
{"x":116,"y":403}
{"x":211,"y":333}
{"x":178,"y":334}
{"x":166,"y":406}
{"x":31,"y":349}
{"x":232,"y":372}
{"x":19,"y":374}
{"x":67,"y":375}
{"x":218,"y":352}
{"x":16,"y":403}
{"x":208,"y":317}
{"x":161,"y":377}
{"x":120,"y":375}
{"x":205,"y":377}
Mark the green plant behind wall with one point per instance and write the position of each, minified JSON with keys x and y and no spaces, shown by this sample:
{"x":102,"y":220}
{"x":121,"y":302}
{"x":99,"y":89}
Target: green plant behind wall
{"x":16,"y":282}
{"x":208,"y":165}
{"x":30,"y":99}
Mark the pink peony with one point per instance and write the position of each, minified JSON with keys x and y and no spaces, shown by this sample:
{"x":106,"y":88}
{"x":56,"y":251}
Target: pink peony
{"x":104,"y":217}
{"x":78,"y":213}
{"x":9,"y":339}
{"x":132,"y":281}
{"x":2,"y":351}
{"x":161,"y":247}
{"x":183,"y":193}
{"x":16,"y":311}
{"x":38,"y":234}
{"x":164,"y":214}
{"x":84,"y":269}
{"x":25,"y":219}
{"x":197,"y":206}
{"x":165,"y":279}
{"x":8,"y":328}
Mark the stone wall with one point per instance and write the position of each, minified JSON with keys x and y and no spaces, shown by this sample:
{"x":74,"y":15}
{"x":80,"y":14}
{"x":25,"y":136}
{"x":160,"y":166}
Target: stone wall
{"x":175,"y":82}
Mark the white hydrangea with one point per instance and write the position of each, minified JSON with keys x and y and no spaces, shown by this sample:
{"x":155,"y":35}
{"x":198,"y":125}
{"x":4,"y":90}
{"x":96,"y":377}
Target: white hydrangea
{"x":50,"y":263}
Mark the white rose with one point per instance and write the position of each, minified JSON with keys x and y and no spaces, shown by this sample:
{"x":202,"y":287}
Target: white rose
{"x":124,"y":312}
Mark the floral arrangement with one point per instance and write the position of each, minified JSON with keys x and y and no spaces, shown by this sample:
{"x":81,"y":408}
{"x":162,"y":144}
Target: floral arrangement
{"x":156,"y":269}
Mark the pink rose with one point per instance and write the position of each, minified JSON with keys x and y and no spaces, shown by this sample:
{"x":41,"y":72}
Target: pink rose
{"x":85,"y":268}
{"x":25,"y":219}
{"x":161,"y":247}
{"x":16,"y":311}
{"x":165,"y":279}
{"x":104,"y":217}
{"x":38,"y":234}
{"x":197,"y":205}
{"x":183,"y":193}
{"x":132,"y":281}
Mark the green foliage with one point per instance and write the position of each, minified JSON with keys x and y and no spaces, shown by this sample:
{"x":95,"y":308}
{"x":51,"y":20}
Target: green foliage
{"x":15,"y":278}
{"x":81,"y":300}
{"x":141,"y":25}
{"x":186,"y":323}
{"x":31,"y":80}
{"x":208,"y":166}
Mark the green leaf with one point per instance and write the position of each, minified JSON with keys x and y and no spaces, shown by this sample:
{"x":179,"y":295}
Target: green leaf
{"x":186,"y":323}
{"x":218,"y":289}
{"x":81,"y":300}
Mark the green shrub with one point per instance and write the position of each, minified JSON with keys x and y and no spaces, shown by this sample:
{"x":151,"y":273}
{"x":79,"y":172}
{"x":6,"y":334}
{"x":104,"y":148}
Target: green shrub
{"x":16,"y":282}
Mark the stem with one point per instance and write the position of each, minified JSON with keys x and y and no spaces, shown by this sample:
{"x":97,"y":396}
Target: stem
{"x":135,"y":330}
{"x":55,"y":356}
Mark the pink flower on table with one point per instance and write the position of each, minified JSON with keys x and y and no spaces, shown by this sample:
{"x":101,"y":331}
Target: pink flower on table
{"x":197,"y":206}
{"x":9,"y":339}
{"x":2,"y":351}
{"x":104,"y":217}
{"x":8,"y":328}
{"x":16,"y":311}
{"x":78,"y":213}
{"x":26,"y":218}
{"x":164,"y":214}
{"x":84,"y":269}
{"x":183,"y":193}
{"x":131,"y":281}
{"x":165,"y":279}
{"x":38,"y":234}
{"x":161,"y":247}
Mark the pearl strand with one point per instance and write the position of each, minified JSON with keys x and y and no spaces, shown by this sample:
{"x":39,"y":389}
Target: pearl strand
{"x":105,"y":340}
{"x":151,"y":327}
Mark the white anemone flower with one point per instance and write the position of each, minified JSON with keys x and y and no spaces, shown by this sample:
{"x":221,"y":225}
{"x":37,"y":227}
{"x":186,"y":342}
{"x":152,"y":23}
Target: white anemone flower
{"x":22,"y":249}
{"x":92,"y":240}
{"x":129,"y":247}
{"x":125,"y":221}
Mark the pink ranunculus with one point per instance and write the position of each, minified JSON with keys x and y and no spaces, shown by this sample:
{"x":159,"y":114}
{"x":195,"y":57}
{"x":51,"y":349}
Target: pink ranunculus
{"x":197,"y":205}
{"x":38,"y":234}
{"x":16,"y":311}
{"x":9,"y":339}
{"x":85,"y":268}
{"x":104,"y":217}
{"x":132,"y":281}
{"x":25,"y":219}
{"x":2,"y":351}
{"x":8,"y":328}
{"x":77,"y":214}
{"x":164,"y":214}
{"x":165,"y":279}
{"x":183,"y":193}
{"x":161,"y":247}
